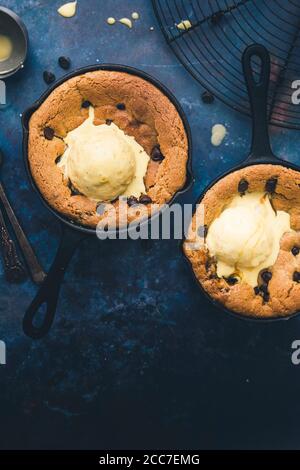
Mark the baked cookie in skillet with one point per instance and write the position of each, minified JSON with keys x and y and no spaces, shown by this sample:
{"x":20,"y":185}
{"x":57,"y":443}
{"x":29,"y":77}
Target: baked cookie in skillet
{"x":256,"y":275}
{"x":134,"y":108}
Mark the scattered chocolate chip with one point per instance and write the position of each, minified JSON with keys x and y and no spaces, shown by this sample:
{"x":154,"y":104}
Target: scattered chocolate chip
{"x":243,"y":186}
{"x":216,"y":17}
{"x":132,"y":201}
{"x":108,"y":121}
{"x":49,"y":77}
{"x":263,"y":288}
{"x":266,"y":276}
{"x":271,"y":185}
{"x":231,"y":280}
{"x":121,"y":106}
{"x":296,"y":276}
{"x":273,"y":207}
{"x":256,"y":290}
{"x":48,"y":133}
{"x":295,"y":250}
{"x":58,"y":159}
{"x":207,"y":97}
{"x":202,"y":231}
{"x":156,"y":154}
{"x":64,"y":62}
{"x":74,"y":191}
{"x":266,"y":297}
{"x":144,"y":199}
{"x":86,"y":104}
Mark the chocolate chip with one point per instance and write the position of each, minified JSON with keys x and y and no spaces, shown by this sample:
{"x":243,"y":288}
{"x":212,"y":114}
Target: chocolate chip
{"x":108,"y":122}
{"x":48,"y":133}
{"x":207,"y":97}
{"x":156,"y":154}
{"x":256,"y":290}
{"x":64,"y":62}
{"x":263,"y":288}
{"x":86,"y":104}
{"x":207,"y":265}
{"x":295,"y":250}
{"x":271,"y":185}
{"x":49,"y":77}
{"x":132,"y":201}
{"x":266,"y":297}
{"x":202,"y":231}
{"x":296,"y":276}
{"x":121,"y":106}
{"x":231,"y":280}
{"x":74,"y":191}
{"x":58,"y":159}
{"x":243,"y":186}
{"x":144,"y":199}
{"x":266,"y":276}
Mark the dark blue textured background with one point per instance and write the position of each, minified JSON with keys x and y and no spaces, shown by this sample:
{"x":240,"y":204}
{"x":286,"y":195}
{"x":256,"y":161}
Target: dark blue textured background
{"x":136,"y":358}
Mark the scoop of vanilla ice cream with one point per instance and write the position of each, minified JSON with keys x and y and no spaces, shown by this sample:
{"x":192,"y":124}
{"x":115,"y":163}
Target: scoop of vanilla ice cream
{"x":245,"y":237}
{"x":101,"y":166}
{"x":240,"y":234}
{"x":102,"y":162}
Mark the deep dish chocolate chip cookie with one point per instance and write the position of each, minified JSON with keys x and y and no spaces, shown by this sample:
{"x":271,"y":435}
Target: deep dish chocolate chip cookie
{"x":131,"y":106}
{"x":245,"y":253}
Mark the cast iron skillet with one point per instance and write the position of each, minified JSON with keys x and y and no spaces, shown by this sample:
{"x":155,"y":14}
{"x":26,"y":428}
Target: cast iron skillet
{"x":260,"y":152}
{"x":73,"y":233}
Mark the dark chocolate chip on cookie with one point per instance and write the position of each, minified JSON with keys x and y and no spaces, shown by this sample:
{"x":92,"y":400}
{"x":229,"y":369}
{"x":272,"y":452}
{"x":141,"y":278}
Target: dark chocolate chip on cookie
{"x":156,"y":154}
{"x":271,"y":185}
{"x":48,"y":133}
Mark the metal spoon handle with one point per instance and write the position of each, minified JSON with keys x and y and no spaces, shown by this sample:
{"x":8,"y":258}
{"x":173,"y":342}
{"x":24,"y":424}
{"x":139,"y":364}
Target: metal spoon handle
{"x":32,"y":262}
{"x":13,"y":268}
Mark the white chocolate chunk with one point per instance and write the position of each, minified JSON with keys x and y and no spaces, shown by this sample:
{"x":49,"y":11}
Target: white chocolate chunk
{"x":126,"y":21}
{"x":184,"y":24}
{"x":111,"y":20}
{"x":68,"y":9}
{"x":218,"y":133}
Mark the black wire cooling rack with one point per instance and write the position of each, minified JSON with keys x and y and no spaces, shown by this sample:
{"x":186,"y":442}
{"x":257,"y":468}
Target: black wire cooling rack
{"x":212,"y":47}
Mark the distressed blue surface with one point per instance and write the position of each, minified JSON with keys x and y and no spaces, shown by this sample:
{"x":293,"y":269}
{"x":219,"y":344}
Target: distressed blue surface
{"x":136,"y":357}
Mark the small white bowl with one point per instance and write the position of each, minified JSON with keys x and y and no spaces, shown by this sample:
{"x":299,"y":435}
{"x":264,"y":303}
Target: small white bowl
{"x":13,"y":27}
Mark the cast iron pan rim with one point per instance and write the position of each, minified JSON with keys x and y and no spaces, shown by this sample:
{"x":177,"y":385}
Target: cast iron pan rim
{"x":22,"y":26}
{"x":219,"y":305}
{"x":115,"y":68}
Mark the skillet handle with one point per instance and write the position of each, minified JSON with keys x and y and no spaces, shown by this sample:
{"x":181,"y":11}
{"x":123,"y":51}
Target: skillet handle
{"x":258,"y":94}
{"x":49,"y":291}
